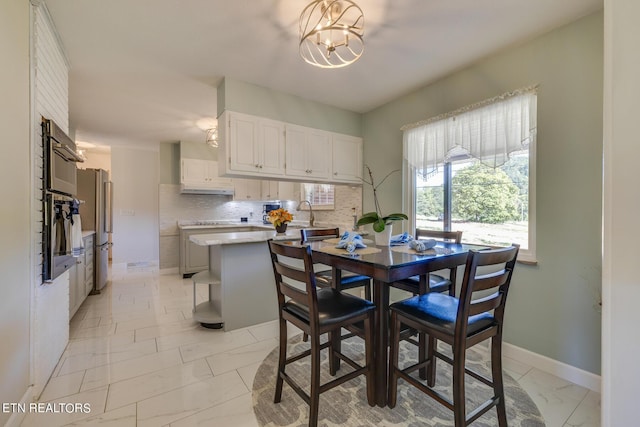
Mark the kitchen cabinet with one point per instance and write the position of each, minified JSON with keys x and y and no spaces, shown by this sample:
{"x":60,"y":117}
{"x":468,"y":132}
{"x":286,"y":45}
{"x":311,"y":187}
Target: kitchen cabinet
{"x":288,"y":190}
{"x":197,"y":173}
{"x":308,"y":152}
{"x":251,"y":145}
{"x":346,"y":159}
{"x":255,"y":189}
{"x":81,"y":277}
{"x":247,"y":189}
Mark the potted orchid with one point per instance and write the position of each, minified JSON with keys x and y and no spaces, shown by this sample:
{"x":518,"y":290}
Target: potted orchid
{"x":379,"y":221}
{"x":280,"y":218}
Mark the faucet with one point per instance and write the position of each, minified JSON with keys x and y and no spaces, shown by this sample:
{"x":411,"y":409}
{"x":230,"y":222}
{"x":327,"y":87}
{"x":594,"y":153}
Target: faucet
{"x":311,"y":217}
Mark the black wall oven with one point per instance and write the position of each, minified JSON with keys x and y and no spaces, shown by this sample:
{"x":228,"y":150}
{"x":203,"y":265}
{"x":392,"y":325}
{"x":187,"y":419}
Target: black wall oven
{"x":57,"y":239}
{"x":60,"y":159}
{"x":59,"y":190}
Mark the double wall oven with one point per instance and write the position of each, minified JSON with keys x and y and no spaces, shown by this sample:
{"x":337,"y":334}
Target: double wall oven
{"x":59,"y":190}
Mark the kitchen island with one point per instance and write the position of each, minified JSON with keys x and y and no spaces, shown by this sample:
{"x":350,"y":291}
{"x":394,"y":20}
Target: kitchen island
{"x":240,"y":279}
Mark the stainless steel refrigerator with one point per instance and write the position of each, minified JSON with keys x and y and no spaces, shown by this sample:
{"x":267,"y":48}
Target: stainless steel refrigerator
{"x":95,"y":193}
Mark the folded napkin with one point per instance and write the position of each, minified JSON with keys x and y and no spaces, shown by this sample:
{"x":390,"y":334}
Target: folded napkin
{"x":422,"y":245}
{"x":401,"y":239}
{"x":350,"y":242}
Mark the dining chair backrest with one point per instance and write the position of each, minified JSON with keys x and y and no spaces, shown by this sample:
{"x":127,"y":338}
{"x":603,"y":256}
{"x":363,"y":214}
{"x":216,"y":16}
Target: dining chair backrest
{"x":318,"y":233}
{"x":283,"y":259}
{"x":492,"y":281}
{"x":448,"y":236}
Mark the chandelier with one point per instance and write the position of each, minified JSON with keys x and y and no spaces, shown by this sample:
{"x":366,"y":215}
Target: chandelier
{"x":331,"y":33}
{"x":212,"y":137}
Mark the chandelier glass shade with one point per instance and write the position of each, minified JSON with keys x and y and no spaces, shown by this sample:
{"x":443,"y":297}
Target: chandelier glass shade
{"x":212,"y":137}
{"x":331,"y":33}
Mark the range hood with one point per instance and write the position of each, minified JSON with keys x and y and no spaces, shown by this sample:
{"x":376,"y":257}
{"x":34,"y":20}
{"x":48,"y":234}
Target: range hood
{"x":197,"y":189}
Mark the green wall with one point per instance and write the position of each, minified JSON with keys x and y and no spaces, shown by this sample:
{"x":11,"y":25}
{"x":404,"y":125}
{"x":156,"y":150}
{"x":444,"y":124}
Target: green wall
{"x":241,"y":97}
{"x":553,"y":306}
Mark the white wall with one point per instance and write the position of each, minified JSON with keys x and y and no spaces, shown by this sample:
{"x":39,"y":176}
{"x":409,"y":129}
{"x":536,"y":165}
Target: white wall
{"x":620,"y":281}
{"x":135,"y":176}
{"x":51,"y":100}
{"x":15,"y":257}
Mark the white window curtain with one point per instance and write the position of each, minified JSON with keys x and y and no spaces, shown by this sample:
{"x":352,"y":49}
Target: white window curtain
{"x":488,"y":131}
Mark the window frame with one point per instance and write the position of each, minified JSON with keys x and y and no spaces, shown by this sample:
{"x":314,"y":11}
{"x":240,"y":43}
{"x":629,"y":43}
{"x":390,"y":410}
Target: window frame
{"x":527,"y":256}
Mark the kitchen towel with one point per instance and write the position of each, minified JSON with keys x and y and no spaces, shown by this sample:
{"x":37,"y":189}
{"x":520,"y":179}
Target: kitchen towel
{"x":350,"y":242}
{"x":422,"y":245}
{"x":77,"y":245}
{"x":401,"y":239}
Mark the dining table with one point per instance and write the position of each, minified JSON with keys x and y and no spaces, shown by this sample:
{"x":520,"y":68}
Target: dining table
{"x":385,"y":265}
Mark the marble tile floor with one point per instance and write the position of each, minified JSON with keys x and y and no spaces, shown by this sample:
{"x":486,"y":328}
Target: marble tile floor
{"x":136,"y":358}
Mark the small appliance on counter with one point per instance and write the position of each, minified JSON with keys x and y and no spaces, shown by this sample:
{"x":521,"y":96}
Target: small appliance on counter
{"x":266,"y":208}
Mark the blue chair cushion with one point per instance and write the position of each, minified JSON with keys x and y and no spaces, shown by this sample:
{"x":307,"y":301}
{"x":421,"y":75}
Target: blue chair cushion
{"x":333,"y":307}
{"x":439,"y":312}
{"x":437,"y":283}
{"x":348,"y":280}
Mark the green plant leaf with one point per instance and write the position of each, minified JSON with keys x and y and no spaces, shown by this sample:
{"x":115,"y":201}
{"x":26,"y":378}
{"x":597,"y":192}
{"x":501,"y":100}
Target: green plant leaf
{"x":368,"y":218}
{"x":395,"y":217}
{"x":378,"y":225}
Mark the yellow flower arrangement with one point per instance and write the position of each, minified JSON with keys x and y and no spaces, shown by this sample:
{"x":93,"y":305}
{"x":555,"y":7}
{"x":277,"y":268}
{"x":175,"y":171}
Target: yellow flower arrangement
{"x":280,"y":216}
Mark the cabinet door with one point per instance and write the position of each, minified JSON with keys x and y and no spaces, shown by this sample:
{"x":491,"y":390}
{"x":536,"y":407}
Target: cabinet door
{"x":269,"y":190}
{"x":288,"y":190}
{"x":318,"y":153}
{"x":296,"y":145}
{"x":271,"y":147}
{"x":88,"y":265}
{"x":247,"y":189}
{"x":243,"y":143}
{"x":194,"y":171}
{"x":308,"y":152}
{"x":347,"y":158}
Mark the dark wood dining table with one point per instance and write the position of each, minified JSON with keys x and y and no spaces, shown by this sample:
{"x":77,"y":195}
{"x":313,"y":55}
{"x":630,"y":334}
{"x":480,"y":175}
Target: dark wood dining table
{"x":386,"y":266}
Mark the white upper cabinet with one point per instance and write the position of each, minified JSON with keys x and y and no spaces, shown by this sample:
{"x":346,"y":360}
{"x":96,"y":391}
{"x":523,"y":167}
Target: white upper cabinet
{"x":308,"y":152}
{"x":198,"y":173}
{"x":346,"y":158}
{"x":252,"y":145}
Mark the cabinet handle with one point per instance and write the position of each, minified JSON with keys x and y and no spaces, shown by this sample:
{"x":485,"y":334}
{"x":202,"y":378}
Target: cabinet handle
{"x":335,"y":173}
{"x":257,"y":165}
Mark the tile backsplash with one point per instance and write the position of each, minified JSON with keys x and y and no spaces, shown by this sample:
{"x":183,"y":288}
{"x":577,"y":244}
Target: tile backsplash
{"x":175,"y":207}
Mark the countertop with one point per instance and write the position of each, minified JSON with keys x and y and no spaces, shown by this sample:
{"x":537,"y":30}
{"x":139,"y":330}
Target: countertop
{"x":243,"y":237}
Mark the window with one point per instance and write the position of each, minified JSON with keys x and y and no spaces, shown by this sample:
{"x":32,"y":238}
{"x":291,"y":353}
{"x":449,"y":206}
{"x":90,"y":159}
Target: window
{"x":321,"y":196}
{"x":473,"y":170}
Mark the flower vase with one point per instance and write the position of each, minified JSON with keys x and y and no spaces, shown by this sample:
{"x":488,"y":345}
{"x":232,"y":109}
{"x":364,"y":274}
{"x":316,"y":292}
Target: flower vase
{"x":383,"y":238}
{"x":282,"y":228}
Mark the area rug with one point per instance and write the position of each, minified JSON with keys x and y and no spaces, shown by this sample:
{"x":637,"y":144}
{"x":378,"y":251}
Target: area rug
{"x":346,"y":405}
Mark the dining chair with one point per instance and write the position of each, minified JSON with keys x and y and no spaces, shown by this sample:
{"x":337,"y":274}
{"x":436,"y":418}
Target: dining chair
{"x":317,"y":311}
{"x":324,"y":278}
{"x":436,"y":282}
{"x":461,"y":323}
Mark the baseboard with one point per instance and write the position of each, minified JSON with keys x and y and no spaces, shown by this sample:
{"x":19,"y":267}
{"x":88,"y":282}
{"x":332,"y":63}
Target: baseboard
{"x":17,"y":417}
{"x":559,"y":369}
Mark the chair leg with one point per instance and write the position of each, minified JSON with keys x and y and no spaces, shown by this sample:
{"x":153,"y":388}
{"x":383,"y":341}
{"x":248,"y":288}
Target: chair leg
{"x":334,"y":346}
{"x":367,"y":291}
{"x":496,"y":372}
{"x":422,"y":353}
{"x":393,"y":360}
{"x":459,"y":410}
{"x":368,"y":349}
{"x":314,"y":395}
{"x":282,"y":357}
{"x":432,"y":346}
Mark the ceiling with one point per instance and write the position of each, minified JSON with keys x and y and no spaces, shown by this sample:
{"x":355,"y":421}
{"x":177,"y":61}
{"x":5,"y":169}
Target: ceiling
{"x":146,"y":71}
